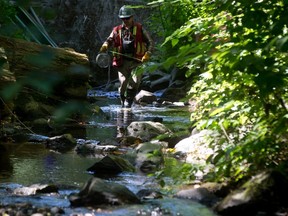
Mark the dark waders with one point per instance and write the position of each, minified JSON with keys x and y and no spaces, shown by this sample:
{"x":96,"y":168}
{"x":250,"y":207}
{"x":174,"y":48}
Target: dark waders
{"x":129,"y":81}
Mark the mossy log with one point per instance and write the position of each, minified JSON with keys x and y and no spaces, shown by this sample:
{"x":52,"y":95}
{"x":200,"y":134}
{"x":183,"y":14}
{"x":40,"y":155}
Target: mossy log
{"x":69,"y":69}
{"x":47,"y":76}
{"x":25,"y":56}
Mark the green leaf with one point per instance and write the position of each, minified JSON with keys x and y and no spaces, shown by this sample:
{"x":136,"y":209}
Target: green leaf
{"x":280,"y":43}
{"x":225,"y":123}
{"x":174,"y":42}
{"x":217,"y":156}
{"x":223,"y":108}
{"x":243,"y":119}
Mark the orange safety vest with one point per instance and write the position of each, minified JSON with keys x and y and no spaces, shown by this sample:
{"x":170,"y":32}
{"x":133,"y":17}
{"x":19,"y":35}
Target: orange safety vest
{"x":139,"y":45}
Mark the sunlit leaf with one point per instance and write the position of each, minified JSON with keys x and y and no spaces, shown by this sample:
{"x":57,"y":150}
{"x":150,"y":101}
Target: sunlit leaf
{"x":223,"y":108}
{"x":243,"y":119}
{"x":218,"y":156}
{"x":225,"y":123}
{"x":174,"y":42}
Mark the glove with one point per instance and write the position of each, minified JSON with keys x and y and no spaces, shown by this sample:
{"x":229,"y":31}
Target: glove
{"x":146,"y":57}
{"x":104,"y":47}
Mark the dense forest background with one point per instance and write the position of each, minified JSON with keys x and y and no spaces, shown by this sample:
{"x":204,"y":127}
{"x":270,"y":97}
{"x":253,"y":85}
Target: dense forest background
{"x":235,"y":56}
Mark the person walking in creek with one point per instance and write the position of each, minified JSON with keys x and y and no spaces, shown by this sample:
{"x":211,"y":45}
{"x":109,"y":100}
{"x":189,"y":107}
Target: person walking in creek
{"x":132,"y":45}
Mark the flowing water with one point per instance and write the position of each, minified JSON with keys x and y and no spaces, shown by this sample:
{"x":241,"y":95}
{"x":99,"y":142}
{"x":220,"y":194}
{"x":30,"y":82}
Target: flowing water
{"x":30,"y":163}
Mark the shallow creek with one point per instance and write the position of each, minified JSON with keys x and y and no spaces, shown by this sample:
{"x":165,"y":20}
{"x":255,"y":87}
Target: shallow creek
{"x":30,"y":163}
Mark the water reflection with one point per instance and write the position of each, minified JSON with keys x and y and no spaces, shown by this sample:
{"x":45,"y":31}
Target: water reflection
{"x":50,"y":162}
{"x":32,"y":163}
{"x":6,"y":167}
{"x":124,"y":118}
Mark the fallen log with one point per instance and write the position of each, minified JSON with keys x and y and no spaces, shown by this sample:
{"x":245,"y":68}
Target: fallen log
{"x":47,"y":76}
{"x":25,"y":57}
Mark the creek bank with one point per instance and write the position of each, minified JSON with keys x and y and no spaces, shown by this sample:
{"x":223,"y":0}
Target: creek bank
{"x":225,"y":200}
{"x":251,"y":198}
{"x":33,"y":106}
{"x":139,"y":141}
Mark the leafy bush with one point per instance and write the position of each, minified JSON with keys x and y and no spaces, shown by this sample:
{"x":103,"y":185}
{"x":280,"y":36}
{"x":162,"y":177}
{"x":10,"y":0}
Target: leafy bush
{"x":7,"y":14}
{"x":238,"y":50}
{"x":6,"y":11}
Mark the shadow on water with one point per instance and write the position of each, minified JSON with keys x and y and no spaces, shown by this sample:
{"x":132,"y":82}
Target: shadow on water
{"x":6,"y":167}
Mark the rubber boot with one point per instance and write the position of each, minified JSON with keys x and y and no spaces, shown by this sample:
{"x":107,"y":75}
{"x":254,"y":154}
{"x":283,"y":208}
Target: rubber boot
{"x":130,"y":97}
{"x":122,"y":98}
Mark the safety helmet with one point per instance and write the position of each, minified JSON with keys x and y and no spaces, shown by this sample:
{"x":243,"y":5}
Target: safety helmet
{"x":125,"y":12}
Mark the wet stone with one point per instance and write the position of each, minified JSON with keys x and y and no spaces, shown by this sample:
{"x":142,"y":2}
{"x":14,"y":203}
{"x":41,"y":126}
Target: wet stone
{"x":98,"y":192}
{"x":111,"y":164}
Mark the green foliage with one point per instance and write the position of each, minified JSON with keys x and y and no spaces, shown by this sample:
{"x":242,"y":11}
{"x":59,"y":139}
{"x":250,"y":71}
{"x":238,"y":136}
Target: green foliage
{"x":6,"y":11}
{"x":175,"y":173}
{"x":237,"y":53}
{"x":19,"y":20}
{"x":169,"y":16}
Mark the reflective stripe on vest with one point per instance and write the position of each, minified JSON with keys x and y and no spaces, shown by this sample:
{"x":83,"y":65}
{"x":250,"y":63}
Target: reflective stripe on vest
{"x":140,"y":47}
